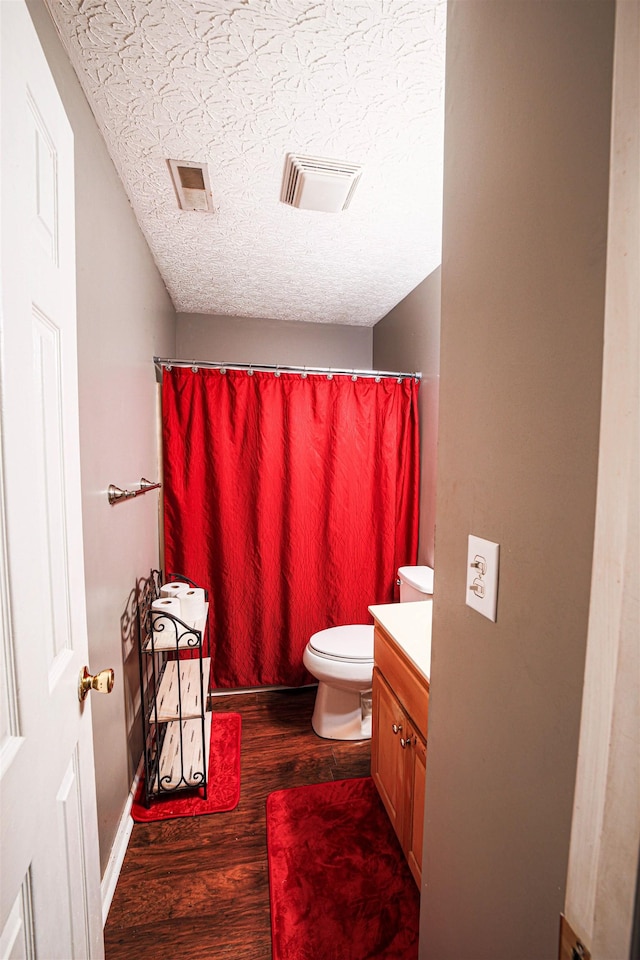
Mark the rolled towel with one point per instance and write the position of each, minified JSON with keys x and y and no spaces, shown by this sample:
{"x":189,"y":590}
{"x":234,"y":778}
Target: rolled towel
{"x":166,"y":630}
{"x":192,"y":604}
{"x":173,"y":589}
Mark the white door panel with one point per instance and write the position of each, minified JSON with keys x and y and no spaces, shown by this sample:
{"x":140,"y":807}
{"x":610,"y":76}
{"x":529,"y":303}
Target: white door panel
{"x":49,"y":877}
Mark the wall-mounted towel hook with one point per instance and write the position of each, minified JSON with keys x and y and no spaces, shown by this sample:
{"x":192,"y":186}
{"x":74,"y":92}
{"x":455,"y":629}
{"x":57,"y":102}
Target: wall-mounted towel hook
{"x":116,"y":494}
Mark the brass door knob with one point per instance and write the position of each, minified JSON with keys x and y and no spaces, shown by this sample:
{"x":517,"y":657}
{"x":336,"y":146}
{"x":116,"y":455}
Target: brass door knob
{"x":102,"y":682}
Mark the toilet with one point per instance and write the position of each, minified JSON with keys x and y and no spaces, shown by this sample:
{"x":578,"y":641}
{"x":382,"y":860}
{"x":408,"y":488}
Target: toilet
{"x":341,"y":659}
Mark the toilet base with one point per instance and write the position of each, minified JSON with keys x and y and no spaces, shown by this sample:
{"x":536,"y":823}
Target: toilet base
{"x":338,"y":715}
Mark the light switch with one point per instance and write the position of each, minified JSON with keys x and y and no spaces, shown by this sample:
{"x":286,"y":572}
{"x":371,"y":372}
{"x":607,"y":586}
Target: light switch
{"x":482,"y":576}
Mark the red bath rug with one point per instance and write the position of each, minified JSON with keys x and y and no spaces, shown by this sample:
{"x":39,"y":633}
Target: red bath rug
{"x":340,"y":887}
{"x":223,"y":784}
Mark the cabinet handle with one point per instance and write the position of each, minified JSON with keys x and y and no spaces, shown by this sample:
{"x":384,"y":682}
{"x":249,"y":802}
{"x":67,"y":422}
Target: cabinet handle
{"x":396,"y":727}
{"x":406,"y":742}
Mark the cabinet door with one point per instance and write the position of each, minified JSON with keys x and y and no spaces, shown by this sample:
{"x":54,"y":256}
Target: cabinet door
{"x":416,"y":814}
{"x":387,"y":759}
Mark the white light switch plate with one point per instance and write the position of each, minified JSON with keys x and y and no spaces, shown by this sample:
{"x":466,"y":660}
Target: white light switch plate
{"x":482,"y":576}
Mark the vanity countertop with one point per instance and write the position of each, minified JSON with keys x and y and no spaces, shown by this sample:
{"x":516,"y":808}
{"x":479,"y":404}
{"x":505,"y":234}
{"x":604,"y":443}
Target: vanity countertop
{"x":409,"y":624}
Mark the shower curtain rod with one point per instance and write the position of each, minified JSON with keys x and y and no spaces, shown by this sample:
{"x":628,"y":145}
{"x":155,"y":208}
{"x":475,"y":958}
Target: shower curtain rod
{"x":278,"y":369}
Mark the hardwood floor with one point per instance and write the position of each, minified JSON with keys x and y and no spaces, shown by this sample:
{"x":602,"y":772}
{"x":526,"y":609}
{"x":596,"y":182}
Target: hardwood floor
{"x":198,"y":888}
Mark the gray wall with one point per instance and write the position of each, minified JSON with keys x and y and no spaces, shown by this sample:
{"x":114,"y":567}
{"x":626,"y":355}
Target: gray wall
{"x":246,"y":340}
{"x":124,"y":318}
{"x":408,"y":338}
{"x":528,"y":104}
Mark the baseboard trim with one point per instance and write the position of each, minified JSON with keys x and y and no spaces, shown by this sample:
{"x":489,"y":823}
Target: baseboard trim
{"x":118,"y":851}
{"x":236,"y":690}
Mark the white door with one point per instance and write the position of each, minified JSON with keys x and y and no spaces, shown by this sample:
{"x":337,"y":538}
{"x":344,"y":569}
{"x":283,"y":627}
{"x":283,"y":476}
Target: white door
{"x":49,"y":872}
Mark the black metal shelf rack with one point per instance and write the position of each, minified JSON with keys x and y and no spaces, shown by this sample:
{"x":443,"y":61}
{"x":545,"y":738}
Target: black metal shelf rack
{"x":174,"y":685}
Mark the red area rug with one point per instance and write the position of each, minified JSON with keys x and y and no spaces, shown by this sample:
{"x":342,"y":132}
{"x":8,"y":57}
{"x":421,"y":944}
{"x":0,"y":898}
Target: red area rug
{"x":339,"y":884}
{"x":223,"y":783}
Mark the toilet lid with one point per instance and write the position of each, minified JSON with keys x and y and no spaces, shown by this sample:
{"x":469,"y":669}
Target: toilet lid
{"x":351,"y":642}
{"x":421,"y":578}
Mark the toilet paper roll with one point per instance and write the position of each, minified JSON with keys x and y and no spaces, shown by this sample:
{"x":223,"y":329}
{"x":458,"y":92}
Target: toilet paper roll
{"x":173,"y":589}
{"x":192,"y":604}
{"x":166,"y":630}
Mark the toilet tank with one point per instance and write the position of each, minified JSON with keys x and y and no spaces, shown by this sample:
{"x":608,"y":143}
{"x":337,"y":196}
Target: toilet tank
{"x":416,"y":583}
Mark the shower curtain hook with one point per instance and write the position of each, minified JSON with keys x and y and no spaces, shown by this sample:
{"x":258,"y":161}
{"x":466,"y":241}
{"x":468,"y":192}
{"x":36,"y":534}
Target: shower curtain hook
{"x":277,"y":371}
{"x":303,"y":375}
{"x":250,"y":371}
{"x":194,"y":367}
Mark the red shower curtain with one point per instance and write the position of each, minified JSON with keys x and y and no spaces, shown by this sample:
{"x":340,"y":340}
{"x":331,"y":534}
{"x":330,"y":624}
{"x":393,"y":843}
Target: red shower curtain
{"x":293,"y":500}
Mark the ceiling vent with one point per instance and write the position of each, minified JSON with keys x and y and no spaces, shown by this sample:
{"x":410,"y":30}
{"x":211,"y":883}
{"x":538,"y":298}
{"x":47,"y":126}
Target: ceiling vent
{"x":191,"y":182}
{"x":315,"y":183}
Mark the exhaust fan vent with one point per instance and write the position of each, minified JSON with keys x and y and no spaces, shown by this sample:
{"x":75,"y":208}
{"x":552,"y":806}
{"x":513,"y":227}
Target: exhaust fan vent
{"x":315,"y":183}
{"x":192,"y":186}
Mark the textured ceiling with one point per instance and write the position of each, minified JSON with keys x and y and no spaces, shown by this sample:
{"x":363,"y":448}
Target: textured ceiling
{"x":239,"y":84}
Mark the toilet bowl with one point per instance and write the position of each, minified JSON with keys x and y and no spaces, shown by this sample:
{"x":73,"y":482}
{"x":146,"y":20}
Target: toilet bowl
{"x":341,"y":659}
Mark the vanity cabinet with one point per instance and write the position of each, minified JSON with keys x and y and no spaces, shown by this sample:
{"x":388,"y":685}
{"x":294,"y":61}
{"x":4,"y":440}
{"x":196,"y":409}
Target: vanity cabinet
{"x":399,"y":742}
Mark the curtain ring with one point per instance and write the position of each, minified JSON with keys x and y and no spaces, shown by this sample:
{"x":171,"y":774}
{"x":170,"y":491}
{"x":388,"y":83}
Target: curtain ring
{"x":399,"y":379}
{"x":378,"y":379}
{"x":353,"y":378}
{"x":194,"y":368}
{"x":168,"y":366}
{"x":276,"y":372}
{"x":250,"y":371}
{"x":222,"y":370}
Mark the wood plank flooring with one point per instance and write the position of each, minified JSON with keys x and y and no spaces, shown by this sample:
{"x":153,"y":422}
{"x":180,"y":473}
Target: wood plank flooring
{"x":197,"y":888}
